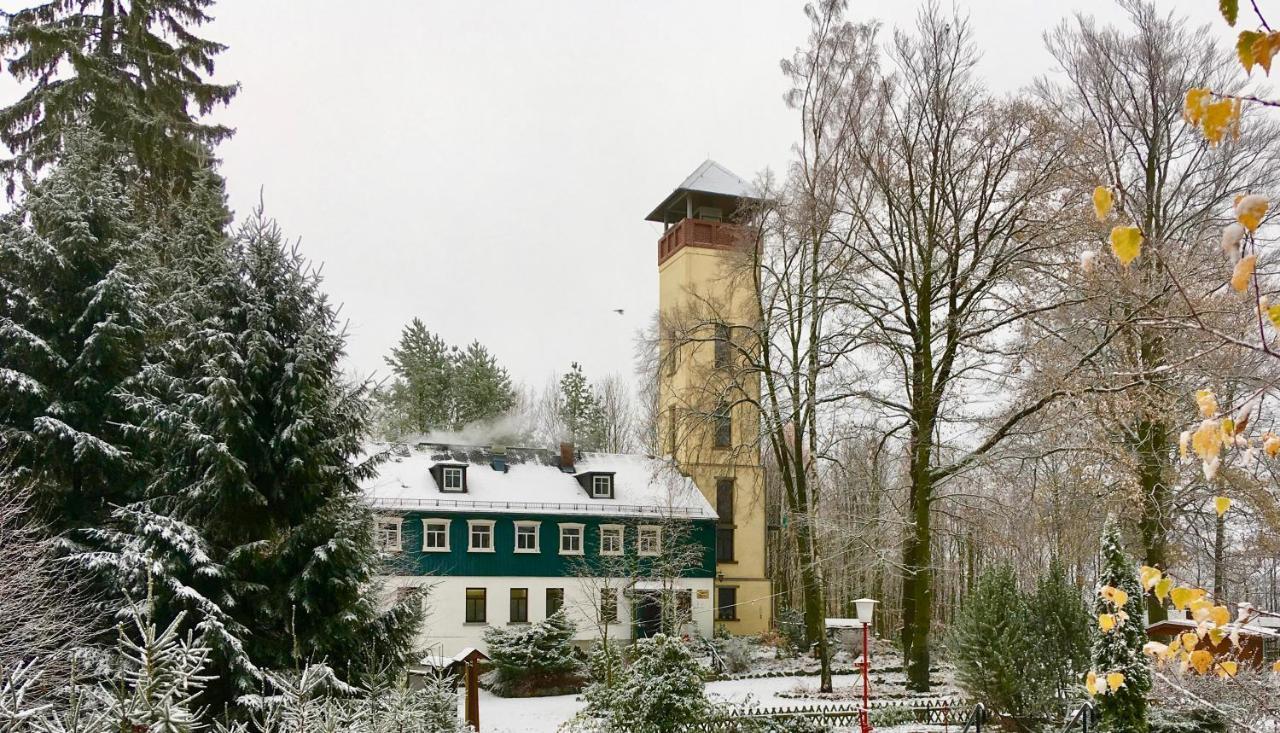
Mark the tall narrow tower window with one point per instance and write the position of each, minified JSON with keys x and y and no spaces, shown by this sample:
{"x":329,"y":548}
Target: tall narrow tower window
{"x":723,"y":426}
{"x":722,"y":346}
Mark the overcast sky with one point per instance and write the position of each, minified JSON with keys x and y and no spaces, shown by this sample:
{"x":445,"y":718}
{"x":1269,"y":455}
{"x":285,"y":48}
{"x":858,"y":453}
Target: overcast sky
{"x":486,"y":165}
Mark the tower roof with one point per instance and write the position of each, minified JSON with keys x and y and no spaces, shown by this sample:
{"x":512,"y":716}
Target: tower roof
{"x":713,"y":182}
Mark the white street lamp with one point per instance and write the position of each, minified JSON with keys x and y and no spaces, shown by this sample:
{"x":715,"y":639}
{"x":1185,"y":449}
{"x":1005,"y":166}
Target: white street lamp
{"x":866,"y":608}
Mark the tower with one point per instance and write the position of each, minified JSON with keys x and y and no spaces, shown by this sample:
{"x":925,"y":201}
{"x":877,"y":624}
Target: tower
{"x":707,"y":391}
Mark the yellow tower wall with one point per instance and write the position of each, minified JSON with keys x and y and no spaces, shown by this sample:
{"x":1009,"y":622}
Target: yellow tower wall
{"x":699,"y":287}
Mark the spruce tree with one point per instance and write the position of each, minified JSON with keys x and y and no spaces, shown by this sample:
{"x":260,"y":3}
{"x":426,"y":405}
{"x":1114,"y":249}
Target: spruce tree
{"x":133,"y":70}
{"x":1061,"y":624}
{"x":481,"y":387}
{"x":421,"y":395}
{"x":533,"y":660}
{"x":579,"y":409}
{"x":254,"y":521}
{"x":73,"y":324}
{"x":992,"y":642}
{"x":441,"y":387}
{"x":1120,"y":649}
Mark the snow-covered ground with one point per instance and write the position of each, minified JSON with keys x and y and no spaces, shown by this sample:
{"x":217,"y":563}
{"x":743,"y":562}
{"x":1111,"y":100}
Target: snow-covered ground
{"x":545,"y":714}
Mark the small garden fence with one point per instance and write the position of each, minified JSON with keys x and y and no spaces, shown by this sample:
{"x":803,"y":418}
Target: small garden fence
{"x":883,"y":713}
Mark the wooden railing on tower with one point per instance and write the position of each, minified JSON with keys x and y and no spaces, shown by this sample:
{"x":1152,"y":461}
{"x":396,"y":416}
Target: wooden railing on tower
{"x":698,"y":233}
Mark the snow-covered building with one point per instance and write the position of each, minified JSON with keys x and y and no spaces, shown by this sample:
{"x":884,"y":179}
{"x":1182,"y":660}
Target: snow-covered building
{"x":508,"y":536}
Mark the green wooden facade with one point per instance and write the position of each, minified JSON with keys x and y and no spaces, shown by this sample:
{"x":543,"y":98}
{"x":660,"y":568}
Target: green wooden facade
{"x":548,"y":562}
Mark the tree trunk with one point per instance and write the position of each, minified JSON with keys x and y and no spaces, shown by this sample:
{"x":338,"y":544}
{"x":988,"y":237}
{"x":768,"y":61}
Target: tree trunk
{"x":1152,"y":449}
{"x":1219,"y":547}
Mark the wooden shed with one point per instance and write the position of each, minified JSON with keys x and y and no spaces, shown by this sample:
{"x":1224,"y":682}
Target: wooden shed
{"x":1257,"y":643}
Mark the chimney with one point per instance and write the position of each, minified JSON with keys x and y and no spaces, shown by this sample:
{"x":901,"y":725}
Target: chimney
{"x":498,"y":457}
{"x":566,"y":457}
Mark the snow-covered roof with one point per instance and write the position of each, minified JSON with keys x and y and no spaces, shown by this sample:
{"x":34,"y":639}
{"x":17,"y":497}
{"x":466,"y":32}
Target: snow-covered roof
{"x":709,"y":178}
{"x":532,"y":482}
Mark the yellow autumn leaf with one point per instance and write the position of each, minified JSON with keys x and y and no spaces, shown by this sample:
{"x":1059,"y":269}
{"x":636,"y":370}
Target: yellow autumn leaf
{"x":1207,"y":403}
{"x":1201,"y":660}
{"x":1221,"y":504}
{"x":1126,"y":243}
{"x":1162,"y":588}
{"x":1189,"y":641}
{"x":1273,"y":315}
{"x":1115,"y":680}
{"x":1271,"y":444}
{"x":1091,"y":681}
{"x":1115,"y":595}
{"x":1206,"y":441}
{"x":1250,"y":209}
{"x":1228,"y":429}
{"x":1227,"y":668}
{"x":1101,"y":202}
{"x":1106,"y":622}
{"x":1244,"y":48}
{"x":1219,"y":615}
{"x":1193,"y":107}
{"x":1219,"y":118}
{"x":1275,"y":666}
{"x":1242,"y":272}
{"x":1149,"y":576}
{"x":1264,"y":47}
{"x":1181,"y":596}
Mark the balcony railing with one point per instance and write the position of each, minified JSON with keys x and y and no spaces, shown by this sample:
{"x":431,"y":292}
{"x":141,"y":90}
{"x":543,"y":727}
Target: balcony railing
{"x":698,"y":233}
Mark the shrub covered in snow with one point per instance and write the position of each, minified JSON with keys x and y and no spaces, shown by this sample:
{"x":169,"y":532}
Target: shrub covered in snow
{"x":736,"y":653}
{"x":659,"y":689}
{"x":538,"y":659}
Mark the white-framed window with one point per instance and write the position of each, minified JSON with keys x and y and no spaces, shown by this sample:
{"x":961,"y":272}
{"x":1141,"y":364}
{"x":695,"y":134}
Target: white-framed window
{"x":451,"y":478}
{"x":435,"y":535}
{"x":602,"y":487}
{"x":649,"y":541}
{"x":479,"y":535}
{"x":611,"y":539}
{"x":389,"y":533}
{"x":527,"y":537}
{"x":571,"y":539}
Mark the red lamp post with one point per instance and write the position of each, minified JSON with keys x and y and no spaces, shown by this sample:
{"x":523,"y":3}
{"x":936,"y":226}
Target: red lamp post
{"x":865,"y":608}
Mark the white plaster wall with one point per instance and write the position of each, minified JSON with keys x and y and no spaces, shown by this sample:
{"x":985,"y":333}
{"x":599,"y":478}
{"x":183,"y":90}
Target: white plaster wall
{"x":445,"y":631}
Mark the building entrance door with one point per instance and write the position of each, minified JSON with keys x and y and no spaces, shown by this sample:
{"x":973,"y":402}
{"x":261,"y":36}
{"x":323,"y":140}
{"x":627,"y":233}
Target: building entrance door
{"x":648,"y":613}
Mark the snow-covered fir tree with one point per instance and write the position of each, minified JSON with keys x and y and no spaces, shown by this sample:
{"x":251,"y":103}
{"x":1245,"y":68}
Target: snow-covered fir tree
{"x":134,"y":71}
{"x":537,"y":659}
{"x":1118,"y":651}
{"x":73,"y":325}
{"x":660,"y":689}
{"x":253,"y":523}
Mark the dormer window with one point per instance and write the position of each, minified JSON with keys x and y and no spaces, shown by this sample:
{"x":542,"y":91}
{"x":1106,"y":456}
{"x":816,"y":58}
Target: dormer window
{"x":450,"y":477}
{"x":602,"y":486}
{"x":597,"y":484}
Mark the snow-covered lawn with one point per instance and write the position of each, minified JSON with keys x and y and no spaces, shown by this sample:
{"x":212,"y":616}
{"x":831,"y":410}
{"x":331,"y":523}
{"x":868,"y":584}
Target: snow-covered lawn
{"x":545,"y":714}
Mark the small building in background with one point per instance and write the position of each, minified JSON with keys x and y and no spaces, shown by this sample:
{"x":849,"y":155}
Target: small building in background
{"x":1259,"y":642}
